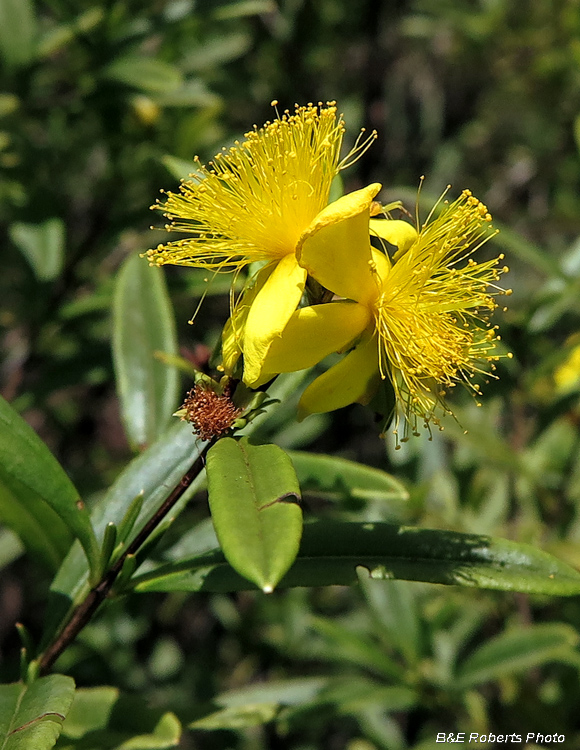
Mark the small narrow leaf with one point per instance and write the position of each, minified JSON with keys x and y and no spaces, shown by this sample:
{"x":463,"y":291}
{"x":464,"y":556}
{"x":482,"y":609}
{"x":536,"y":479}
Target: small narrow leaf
{"x":290,"y":692}
{"x":31,"y":716}
{"x":144,"y":73}
{"x":107,"y":547}
{"x":237,"y":717}
{"x":253,"y":494}
{"x":127,"y":570}
{"x":42,"y":245}
{"x":339,"y":643}
{"x":37,"y":499}
{"x":394,"y":606}
{"x":331,"y":551}
{"x":516,"y":651}
{"x":143,"y":323}
{"x":128,"y":521}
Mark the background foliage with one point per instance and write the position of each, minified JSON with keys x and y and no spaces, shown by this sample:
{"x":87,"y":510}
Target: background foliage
{"x":104,"y":103}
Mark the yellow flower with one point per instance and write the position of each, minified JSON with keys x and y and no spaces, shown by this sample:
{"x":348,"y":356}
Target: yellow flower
{"x":253,"y":203}
{"x":420,"y":321}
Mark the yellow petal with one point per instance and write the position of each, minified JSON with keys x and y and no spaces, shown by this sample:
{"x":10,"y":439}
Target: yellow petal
{"x":336,"y":250}
{"x":233,"y":332}
{"x":270,"y":312}
{"x":381,"y":264}
{"x":354,"y":379}
{"x":398,"y":233}
{"x":315,"y":332}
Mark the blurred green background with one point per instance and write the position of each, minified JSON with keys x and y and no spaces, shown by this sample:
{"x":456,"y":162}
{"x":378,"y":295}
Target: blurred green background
{"x":102,"y":104}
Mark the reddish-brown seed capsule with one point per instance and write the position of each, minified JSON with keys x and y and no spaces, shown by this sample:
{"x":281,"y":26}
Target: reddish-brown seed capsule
{"x":211,"y":414}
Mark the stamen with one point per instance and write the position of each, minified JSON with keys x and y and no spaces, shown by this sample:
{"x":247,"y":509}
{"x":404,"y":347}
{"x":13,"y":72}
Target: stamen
{"x":254,"y":200}
{"x":431,"y":314}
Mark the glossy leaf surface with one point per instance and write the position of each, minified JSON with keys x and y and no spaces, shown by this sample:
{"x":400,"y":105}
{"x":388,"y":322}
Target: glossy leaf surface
{"x":31,"y":716}
{"x":37,"y":499}
{"x":345,"y":479}
{"x":253,"y":496}
{"x":330,"y":553}
{"x":143,"y":324}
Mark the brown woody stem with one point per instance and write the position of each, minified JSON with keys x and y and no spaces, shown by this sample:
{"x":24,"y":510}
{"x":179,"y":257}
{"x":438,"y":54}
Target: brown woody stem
{"x":87,"y":608}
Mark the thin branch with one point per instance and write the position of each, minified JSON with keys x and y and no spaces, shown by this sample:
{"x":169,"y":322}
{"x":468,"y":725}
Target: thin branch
{"x":85,"y":611}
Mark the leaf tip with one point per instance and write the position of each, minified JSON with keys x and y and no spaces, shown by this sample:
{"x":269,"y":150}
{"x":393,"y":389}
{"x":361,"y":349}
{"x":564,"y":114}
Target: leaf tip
{"x":268,"y":588}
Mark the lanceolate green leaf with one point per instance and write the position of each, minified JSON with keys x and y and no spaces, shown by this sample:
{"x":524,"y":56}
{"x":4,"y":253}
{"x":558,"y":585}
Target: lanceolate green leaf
{"x":516,"y":651}
{"x":330,"y":553}
{"x":394,"y":606}
{"x":31,"y":716}
{"x":143,"y":324}
{"x":144,"y":73}
{"x":42,"y":245}
{"x":259,"y":704}
{"x":253,"y":496}
{"x":338,"y":477}
{"x":37,"y":499}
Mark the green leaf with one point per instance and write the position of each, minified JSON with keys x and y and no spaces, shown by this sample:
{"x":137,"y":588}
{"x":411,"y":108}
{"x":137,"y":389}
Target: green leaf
{"x":144,"y":73}
{"x":345,"y":479}
{"x":56,"y":37}
{"x":338,"y":643}
{"x":154,"y":473}
{"x":143,"y":323}
{"x":31,"y":716}
{"x":43,"y":533}
{"x":238,"y":717}
{"x":352,"y":693}
{"x":516,"y":651}
{"x":181,"y":169}
{"x":193,"y":93}
{"x":37,"y":499}
{"x":253,"y":496}
{"x":242,"y":8}
{"x":331,"y":551}
{"x":395,"y":609}
{"x":90,"y":711}
{"x":42,"y":245}
{"x":259,"y":704}
{"x":527,"y":251}
{"x":10,"y":547}
{"x":18,"y":29}
{"x":101,"y":717}
{"x":165,"y":734}
{"x":289,"y":692}
{"x":217,"y":50}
